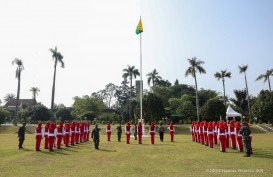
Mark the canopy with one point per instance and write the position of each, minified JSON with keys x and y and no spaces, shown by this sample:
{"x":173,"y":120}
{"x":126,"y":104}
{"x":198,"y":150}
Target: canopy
{"x":231,"y":113}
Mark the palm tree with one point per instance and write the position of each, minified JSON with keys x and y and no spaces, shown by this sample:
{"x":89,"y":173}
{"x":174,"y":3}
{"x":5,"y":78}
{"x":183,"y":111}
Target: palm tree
{"x":195,"y":66}
{"x":240,"y":99}
{"x":130,"y":72}
{"x":243,"y":69}
{"x":222,"y":75}
{"x":58,"y":58}
{"x":154,"y":77}
{"x":34,"y":91}
{"x":266,"y":77}
{"x":9,"y":97}
{"x":19,"y":69}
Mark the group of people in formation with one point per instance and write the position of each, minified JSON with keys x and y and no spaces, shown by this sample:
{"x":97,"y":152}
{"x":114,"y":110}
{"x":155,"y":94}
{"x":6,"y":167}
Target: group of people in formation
{"x":79,"y":132}
{"x":225,"y":135}
{"x":53,"y":134}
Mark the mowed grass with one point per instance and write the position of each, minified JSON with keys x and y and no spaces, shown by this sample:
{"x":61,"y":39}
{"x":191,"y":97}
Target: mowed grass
{"x":180,"y":158}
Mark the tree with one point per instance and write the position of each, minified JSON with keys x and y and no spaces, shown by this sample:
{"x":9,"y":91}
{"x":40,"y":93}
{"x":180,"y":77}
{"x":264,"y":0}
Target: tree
{"x":204,"y":95}
{"x":243,"y":69}
{"x":19,"y":69}
{"x":9,"y":97}
{"x":130,"y":72}
{"x":41,"y":113}
{"x":64,"y":114}
{"x":87,"y":107}
{"x":57,"y":58}
{"x":154,"y":77}
{"x":240,"y":100}
{"x":222,"y":75}
{"x":212,"y":109}
{"x":266,"y":77}
{"x":195,"y":66}
{"x":262,"y":107}
{"x":34,"y":91}
{"x":176,"y":82}
{"x":108,"y":94}
{"x":164,"y":83}
{"x":3,"y":115}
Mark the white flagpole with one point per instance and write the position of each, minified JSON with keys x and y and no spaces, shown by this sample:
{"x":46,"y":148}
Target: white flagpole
{"x":140,"y":79}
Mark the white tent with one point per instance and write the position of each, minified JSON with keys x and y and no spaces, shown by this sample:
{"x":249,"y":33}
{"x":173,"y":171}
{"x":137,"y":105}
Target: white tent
{"x":231,"y":113}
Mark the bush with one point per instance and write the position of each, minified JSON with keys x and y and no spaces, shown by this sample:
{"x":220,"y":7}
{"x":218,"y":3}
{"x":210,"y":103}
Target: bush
{"x":251,"y":121}
{"x":260,"y":121}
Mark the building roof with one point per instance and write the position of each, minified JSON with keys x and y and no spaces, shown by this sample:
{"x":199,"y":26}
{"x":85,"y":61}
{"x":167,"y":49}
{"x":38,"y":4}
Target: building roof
{"x":28,"y":102}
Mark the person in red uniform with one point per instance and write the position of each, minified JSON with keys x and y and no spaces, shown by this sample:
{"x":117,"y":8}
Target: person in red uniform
{"x":239,"y":140}
{"x":67,"y":134}
{"x":205,"y":132}
{"x":201,"y":133}
{"x":210,"y":134}
{"x":47,"y":126}
{"x":197,"y":135}
{"x":227,"y":133}
{"x":250,"y":138}
{"x":139,"y":132}
{"x":108,"y":131}
{"x":51,"y":136}
{"x":171,"y":128}
{"x":77,"y":133}
{"x":73,"y":129}
{"x":232,"y":134}
{"x":222,"y":137}
{"x":60,"y":133}
{"x":39,"y":133}
{"x":215,"y":132}
{"x":81,"y":131}
{"x":192,"y":131}
{"x":128,"y":132}
{"x":85,"y":131}
{"x":152,"y":132}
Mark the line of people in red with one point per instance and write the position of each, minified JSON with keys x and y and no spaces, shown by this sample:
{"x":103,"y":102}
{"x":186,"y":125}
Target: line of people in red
{"x":71,"y":134}
{"x":209,"y":133}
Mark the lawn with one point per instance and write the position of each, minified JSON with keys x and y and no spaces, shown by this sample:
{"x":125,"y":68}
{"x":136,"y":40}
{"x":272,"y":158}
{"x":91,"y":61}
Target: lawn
{"x":180,"y":158}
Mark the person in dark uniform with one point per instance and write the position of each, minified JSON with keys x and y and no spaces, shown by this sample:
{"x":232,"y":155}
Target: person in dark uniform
{"x":135,"y":131}
{"x":161,"y":131}
{"x":21,"y":135}
{"x":96,"y":136}
{"x":245,"y":132}
{"x":119,"y":131}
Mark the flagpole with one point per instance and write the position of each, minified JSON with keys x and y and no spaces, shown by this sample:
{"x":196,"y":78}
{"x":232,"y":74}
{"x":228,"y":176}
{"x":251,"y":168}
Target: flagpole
{"x":141,"y":89}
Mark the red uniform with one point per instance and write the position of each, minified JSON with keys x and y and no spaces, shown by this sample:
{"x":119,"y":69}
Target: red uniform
{"x":222,"y":137}
{"x":77,"y":133}
{"x":108,"y":131}
{"x":39,"y":136}
{"x":232,"y":135}
{"x":215,"y":132}
{"x":139,"y":132}
{"x":73,"y":129}
{"x":85,"y":131}
{"x":205,"y":132}
{"x":46,"y":134}
{"x":82,"y":132}
{"x":196,"y":130}
{"x":239,"y":141}
{"x":201,"y":133}
{"x":171,"y":131}
{"x":210,"y":134}
{"x":51,"y":136}
{"x":60,"y":134}
{"x":152,"y":132}
{"x":128,"y":132}
{"x":67,"y":134}
{"x":227,"y":133}
{"x":88,"y":130}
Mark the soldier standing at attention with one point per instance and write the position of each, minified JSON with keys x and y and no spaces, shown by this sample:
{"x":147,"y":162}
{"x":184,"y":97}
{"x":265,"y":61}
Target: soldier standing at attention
{"x":119,"y":131}
{"x":96,"y":136}
{"x":245,"y":132}
{"x":21,"y":135}
{"x":161,"y":131}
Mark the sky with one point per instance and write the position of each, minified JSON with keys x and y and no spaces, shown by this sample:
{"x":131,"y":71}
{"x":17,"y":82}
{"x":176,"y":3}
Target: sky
{"x":97,"y":39}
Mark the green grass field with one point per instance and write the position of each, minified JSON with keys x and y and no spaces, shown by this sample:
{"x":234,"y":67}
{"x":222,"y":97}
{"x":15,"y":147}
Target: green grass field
{"x":180,"y":158}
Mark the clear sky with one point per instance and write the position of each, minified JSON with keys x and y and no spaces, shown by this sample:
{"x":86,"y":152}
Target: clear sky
{"x":97,"y":39}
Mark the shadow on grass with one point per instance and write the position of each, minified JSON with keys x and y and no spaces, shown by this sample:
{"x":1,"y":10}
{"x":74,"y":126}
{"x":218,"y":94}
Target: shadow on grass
{"x":26,"y":149}
{"x":107,"y":150}
{"x":55,"y":152}
{"x":262,"y":154}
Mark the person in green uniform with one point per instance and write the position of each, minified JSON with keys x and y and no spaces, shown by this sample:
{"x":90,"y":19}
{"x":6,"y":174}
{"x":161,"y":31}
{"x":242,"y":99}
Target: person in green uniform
{"x":96,"y":136}
{"x":21,"y":135}
{"x":245,"y":132}
{"x":119,"y":131}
